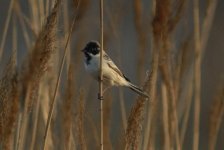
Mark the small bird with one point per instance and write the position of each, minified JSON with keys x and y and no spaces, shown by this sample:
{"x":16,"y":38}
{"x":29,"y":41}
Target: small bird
{"x":112,"y":76}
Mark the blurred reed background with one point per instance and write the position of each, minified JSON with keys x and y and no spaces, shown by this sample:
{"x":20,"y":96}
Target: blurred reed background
{"x":173,"y":49}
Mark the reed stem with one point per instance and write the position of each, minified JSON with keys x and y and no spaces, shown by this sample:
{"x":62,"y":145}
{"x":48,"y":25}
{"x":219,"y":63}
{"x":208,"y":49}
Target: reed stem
{"x":101,"y":76}
{"x":197,"y":76}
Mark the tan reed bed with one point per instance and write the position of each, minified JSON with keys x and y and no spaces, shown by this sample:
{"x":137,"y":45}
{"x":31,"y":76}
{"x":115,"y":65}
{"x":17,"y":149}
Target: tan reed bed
{"x":40,"y":33}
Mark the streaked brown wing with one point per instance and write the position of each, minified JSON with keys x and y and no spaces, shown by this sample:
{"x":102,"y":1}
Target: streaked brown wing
{"x":111,"y":64}
{"x":106,"y":57}
{"x":115,"y":69}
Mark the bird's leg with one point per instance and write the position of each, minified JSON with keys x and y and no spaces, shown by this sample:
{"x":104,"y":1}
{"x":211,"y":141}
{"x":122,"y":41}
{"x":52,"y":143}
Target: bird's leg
{"x":100,"y":97}
{"x":105,"y":89}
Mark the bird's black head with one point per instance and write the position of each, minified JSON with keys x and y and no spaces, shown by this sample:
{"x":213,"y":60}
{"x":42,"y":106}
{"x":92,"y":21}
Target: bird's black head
{"x":93,"y":47}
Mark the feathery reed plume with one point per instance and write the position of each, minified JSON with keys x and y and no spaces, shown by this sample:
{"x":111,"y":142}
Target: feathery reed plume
{"x":8,"y":103}
{"x":141,"y":36}
{"x":134,"y":126}
{"x":67,"y":107}
{"x":36,"y":66}
{"x":38,"y":60}
{"x":216,"y":117}
{"x":80,"y":122}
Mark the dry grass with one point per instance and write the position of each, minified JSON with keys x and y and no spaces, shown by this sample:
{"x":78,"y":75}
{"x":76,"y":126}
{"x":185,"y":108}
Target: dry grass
{"x":80,"y":123}
{"x":67,"y":108}
{"x":41,"y":101}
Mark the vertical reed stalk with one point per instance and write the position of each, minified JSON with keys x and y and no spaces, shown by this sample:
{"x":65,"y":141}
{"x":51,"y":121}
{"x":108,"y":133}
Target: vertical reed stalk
{"x":19,"y":14}
{"x":188,"y":100}
{"x":100,"y":96}
{"x":5,"y":29}
{"x":165,"y":117}
{"x":141,"y":35}
{"x":34,"y":15}
{"x":18,"y":131}
{"x":47,"y":7}
{"x":66,"y":29}
{"x":207,"y":23}
{"x":123,"y":110}
{"x":197,"y":75}
{"x":14,"y":48}
{"x":41,"y":11}
{"x":216,"y":118}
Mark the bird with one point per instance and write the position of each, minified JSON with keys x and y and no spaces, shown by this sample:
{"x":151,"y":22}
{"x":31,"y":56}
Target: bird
{"x":112,"y":76}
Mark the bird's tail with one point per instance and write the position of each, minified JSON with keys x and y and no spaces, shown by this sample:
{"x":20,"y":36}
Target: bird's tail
{"x":138,"y":90}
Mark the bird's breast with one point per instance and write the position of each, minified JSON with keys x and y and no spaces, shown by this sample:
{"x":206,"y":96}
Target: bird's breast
{"x":92,"y":67}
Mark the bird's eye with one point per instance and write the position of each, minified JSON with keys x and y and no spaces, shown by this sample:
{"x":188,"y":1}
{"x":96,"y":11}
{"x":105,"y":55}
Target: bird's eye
{"x":95,"y":50}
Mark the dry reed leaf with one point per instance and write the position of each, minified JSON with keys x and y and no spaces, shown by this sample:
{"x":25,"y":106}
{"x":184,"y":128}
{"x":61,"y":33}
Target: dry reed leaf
{"x":67,"y":107}
{"x":107,"y":122}
{"x":9,"y":104}
{"x":80,"y":122}
{"x":141,"y":34}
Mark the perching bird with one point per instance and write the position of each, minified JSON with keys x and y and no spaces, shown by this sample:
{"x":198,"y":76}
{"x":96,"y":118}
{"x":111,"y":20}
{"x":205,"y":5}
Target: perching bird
{"x":112,"y":76}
